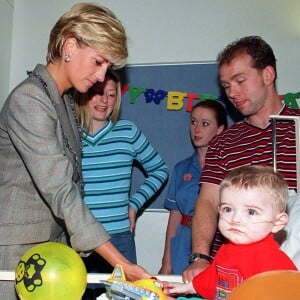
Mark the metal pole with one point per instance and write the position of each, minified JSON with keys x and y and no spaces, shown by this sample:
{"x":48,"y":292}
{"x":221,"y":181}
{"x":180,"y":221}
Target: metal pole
{"x":296,"y":119}
{"x":274,"y":148}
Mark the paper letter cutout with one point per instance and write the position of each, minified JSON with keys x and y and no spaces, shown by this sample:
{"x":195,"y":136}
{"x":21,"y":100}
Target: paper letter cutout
{"x":156,"y":97}
{"x":208,"y":97}
{"x":190,"y":101}
{"x":124,"y":88}
{"x":134,"y":92}
{"x":290,"y":99}
{"x":175,"y":100}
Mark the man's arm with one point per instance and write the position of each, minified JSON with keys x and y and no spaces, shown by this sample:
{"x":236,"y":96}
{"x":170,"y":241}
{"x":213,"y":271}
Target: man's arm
{"x":204,"y":226}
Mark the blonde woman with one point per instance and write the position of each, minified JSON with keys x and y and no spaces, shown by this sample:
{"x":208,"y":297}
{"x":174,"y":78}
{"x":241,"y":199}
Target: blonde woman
{"x":41,"y":187}
{"x":110,"y":149}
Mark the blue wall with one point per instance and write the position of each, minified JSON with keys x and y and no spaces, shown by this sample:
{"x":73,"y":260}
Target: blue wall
{"x":167,"y":130}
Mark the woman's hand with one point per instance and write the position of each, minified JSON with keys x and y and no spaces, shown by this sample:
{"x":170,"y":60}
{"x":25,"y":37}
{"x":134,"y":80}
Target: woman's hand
{"x":134,"y":272}
{"x":113,"y":256}
{"x":166,"y":269}
{"x":132,"y":218}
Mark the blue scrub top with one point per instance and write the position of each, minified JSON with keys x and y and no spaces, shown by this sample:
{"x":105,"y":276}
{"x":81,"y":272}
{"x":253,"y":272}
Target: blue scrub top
{"x":182,"y":195}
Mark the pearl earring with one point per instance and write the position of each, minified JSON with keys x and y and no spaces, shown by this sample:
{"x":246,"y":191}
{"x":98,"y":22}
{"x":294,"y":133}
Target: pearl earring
{"x":67,"y":58}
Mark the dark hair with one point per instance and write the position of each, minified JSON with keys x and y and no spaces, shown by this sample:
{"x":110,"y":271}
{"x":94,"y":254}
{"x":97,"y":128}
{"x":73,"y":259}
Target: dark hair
{"x":261,"y":52}
{"x":112,"y":74}
{"x":217,"y":107}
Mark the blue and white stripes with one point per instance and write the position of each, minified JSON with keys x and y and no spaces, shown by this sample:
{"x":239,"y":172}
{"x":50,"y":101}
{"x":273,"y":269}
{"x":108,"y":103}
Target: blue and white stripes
{"x":107,"y":162}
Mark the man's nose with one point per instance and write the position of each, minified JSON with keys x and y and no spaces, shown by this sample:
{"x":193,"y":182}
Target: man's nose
{"x":232,"y":92}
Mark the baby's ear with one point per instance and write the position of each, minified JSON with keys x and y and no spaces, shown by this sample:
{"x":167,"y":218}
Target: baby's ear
{"x":280,"y":222}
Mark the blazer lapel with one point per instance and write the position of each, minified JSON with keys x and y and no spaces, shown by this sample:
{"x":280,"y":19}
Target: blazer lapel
{"x":66,"y":117}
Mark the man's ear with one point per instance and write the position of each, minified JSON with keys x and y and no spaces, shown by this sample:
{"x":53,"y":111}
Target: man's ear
{"x":269,"y":75}
{"x":280,"y":222}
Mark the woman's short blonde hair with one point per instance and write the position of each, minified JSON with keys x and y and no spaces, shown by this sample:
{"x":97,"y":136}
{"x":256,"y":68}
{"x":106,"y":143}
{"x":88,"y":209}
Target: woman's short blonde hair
{"x":94,"y":26}
{"x":82,"y":99}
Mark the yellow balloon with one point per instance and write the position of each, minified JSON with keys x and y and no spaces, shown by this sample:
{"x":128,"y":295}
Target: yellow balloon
{"x":51,"y":271}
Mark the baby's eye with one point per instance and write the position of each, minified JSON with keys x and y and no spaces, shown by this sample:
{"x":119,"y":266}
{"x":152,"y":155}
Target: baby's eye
{"x":225,"y":210}
{"x":251,"y":212}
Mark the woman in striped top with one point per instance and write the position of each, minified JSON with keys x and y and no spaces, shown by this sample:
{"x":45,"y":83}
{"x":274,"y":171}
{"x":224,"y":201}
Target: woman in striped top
{"x":110,"y":147}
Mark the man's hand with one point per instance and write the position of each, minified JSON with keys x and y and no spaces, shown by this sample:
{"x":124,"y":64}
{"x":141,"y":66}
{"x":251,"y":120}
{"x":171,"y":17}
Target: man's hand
{"x":194,"y":269}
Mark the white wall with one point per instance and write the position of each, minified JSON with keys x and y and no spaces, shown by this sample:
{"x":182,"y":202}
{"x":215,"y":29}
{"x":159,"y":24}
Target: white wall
{"x":161,"y":32}
{"x":150,"y":238}
{"x":6,"y":24}
{"x":171,"y":31}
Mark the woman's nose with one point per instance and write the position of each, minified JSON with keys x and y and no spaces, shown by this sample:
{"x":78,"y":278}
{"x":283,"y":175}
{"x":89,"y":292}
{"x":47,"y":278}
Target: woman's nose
{"x":104,"y":98}
{"x":198,"y":126}
{"x":101,"y":97}
{"x":100,"y":75}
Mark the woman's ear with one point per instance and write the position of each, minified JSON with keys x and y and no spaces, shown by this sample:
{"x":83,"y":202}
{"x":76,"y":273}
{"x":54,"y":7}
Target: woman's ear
{"x":220,"y":129}
{"x":69,"y":46}
{"x":280,"y":222}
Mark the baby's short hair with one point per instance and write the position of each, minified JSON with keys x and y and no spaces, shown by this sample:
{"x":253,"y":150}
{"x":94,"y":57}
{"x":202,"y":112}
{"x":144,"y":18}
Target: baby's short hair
{"x":262,"y":177}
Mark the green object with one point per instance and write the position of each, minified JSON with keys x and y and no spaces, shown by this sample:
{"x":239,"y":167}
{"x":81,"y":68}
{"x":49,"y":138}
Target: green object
{"x":51,"y":271}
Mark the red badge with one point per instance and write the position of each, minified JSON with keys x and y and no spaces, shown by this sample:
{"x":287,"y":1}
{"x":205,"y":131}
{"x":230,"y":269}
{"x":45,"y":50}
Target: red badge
{"x":187,"y":177}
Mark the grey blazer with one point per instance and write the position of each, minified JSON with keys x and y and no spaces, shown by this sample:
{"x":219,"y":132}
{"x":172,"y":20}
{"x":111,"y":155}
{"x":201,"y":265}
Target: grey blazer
{"x":40,"y":175}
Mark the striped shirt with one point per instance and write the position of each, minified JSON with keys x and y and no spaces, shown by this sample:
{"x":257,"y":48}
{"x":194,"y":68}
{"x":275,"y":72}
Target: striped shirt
{"x":107,"y":162}
{"x":244,"y":144}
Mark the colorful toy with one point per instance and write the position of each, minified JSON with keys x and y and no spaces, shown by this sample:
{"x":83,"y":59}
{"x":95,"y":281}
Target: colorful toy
{"x":145,"y":289}
{"x":50,"y":271}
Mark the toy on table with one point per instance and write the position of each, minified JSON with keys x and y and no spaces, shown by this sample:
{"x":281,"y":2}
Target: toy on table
{"x":50,"y":271}
{"x":118,"y":288}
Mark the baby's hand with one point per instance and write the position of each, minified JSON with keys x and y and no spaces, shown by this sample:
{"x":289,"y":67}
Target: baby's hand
{"x":171,"y":288}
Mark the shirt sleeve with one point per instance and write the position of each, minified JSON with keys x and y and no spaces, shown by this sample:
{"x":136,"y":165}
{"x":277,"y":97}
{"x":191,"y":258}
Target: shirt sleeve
{"x":154,"y":166}
{"x":205,"y":283}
